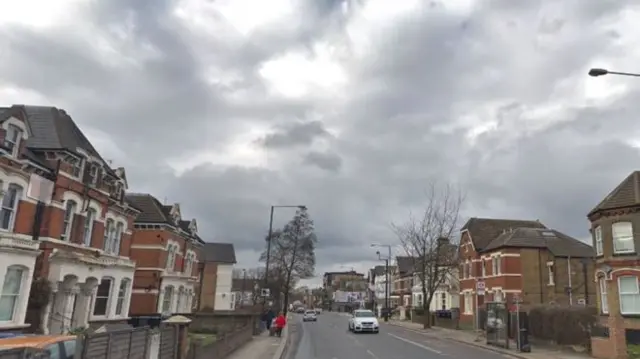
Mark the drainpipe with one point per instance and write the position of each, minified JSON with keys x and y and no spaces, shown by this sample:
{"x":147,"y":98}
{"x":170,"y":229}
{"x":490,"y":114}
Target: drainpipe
{"x":570,"y":287}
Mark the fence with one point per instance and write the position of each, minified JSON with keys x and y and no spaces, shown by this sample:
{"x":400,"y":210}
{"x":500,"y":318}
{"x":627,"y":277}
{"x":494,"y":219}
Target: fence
{"x":224,"y":345}
{"x":119,"y":344}
{"x":24,"y":353}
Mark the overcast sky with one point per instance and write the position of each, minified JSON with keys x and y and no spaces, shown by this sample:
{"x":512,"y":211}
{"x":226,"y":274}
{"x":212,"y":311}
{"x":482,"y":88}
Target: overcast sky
{"x":348,"y":107}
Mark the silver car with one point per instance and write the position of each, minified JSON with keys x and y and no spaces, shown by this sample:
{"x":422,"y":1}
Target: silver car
{"x":309,"y":316}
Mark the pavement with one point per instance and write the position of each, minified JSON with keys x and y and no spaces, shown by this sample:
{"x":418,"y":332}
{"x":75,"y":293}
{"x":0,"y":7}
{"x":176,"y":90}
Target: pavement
{"x":260,"y":347}
{"x":328,"y":338}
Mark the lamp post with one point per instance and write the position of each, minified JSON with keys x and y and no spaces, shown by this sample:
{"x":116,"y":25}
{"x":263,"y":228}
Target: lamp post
{"x":266,"y":269}
{"x":386,"y":271}
{"x":244,"y":281}
{"x":595,"y":72}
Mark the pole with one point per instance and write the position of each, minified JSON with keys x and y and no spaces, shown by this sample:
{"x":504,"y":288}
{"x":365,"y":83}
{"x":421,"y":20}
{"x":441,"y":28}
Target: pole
{"x":586,"y":281}
{"x":386,"y":290}
{"x":244,"y":282}
{"x":519,"y":345}
{"x":570,"y":286}
{"x":266,"y":265}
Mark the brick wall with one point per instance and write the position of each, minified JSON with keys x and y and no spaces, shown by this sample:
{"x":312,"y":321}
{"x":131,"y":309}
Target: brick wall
{"x":208,"y":288}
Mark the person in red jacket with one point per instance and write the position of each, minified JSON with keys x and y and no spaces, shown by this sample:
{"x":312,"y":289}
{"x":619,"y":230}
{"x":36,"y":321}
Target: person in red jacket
{"x":281,"y":321}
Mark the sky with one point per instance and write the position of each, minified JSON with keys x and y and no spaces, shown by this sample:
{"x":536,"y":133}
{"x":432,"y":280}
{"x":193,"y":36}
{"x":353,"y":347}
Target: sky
{"x":350,"y":107}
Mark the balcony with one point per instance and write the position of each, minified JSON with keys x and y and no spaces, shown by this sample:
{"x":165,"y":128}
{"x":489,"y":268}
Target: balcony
{"x":14,"y":241}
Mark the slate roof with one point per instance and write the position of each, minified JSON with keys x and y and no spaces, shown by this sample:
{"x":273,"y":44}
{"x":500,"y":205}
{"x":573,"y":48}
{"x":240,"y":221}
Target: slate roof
{"x":152,"y":210}
{"x":626,"y":194}
{"x":485,"y":230}
{"x":219,"y":253}
{"x":405,"y":264}
{"x":378,"y":270}
{"x":558,"y":243}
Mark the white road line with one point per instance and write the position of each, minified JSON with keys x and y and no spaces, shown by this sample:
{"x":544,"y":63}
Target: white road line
{"x":371,"y":353}
{"x":416,"y":344}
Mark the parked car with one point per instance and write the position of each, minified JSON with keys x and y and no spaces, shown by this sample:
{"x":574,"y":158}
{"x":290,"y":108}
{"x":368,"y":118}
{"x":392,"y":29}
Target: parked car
{"x":318,"y":310}
{"x":309,"y":316}
{"x":53,"y":346}
{"x":363,"y":320}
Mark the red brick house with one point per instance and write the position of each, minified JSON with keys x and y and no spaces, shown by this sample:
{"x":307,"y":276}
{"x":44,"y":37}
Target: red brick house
{"x":84,"y":227}
{"x":167,"y":250}
{"x":614,"y":224}
{"x":402,"y":282}
{"x":525,"y":259}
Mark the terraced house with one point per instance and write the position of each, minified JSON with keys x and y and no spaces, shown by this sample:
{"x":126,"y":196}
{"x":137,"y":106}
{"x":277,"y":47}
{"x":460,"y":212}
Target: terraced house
{"x":525,"y":259}
{"x":80,"y":219}
{"x":614,"y":226}
{"x":167,"y":250}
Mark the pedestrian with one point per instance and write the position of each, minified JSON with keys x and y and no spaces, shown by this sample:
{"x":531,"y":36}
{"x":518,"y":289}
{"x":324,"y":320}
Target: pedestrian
{"x":280,"y":323}
{"x":263,"y":319}
{"x":270,"y":316}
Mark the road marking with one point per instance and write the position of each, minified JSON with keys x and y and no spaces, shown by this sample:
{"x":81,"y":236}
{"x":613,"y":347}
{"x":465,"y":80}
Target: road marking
{"x":371,"y":353}
{"x":416,"y":344}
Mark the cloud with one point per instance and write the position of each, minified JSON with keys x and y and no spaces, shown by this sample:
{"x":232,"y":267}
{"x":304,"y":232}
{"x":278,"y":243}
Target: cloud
{"x":349,"y":107}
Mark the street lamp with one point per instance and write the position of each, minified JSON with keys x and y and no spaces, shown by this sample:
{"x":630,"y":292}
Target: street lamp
{"x":386,"y":271}
{"x":601,"y":72}
{"x":266,"y":269}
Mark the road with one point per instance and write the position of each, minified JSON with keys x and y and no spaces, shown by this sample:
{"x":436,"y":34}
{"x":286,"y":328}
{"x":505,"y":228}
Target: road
{"x":328,"y":338}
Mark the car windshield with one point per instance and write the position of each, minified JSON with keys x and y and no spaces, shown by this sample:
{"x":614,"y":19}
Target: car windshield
{"x":364,"y":314}
{"x":310,"y":312}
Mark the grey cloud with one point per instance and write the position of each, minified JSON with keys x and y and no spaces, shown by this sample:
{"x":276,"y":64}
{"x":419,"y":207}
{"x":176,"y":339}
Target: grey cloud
{"x":299,"y":133}
{"x":327,"y":161}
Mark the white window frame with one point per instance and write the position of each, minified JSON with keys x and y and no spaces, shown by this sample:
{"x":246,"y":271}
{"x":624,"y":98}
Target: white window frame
{"x":93,"y":173}
{"x":496,"y":264}
{"x":617,"y":238}
{"x":67,"y":222}
{"x":108,"y":298}
{"x":77,"y":165}
{"x":88,"y":226}
{"x":636,"y":292}
{"x":604,"y":295}
{"x":13,"y":207}
{"x":22,"y":270}
{"x":122,"y":296}
{"x":550,"y":274}
{"x":598,"y":241}
{"x":484,"y":269}
{"x":468,"y":303}
{"x":109,"y":226}
{"x":498,"y":296}
{"x":15,"y":142}
{"x":171,"y":257}
{"x":117,"y":238}
{"x":167,"y":299}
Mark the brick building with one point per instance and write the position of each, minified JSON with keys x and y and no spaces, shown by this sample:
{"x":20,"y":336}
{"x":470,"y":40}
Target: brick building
{"x":216,"y":274}
{"x":525,"y":259}
{"x":614,"y":223}
{"x":167,"y":250}
{"x":402,"y":282}
{"x":84,"y":226}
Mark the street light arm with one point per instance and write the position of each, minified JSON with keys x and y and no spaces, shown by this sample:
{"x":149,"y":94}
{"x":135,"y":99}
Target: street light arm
{"x":595,"y":72}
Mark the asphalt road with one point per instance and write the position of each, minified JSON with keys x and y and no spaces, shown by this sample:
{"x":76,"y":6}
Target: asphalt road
{"x":328,"y":338}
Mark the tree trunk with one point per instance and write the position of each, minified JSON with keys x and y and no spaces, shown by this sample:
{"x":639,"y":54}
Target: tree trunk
{"x":426,"y":304}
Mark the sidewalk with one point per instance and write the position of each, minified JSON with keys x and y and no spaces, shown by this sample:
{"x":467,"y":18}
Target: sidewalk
{"x":478,"y":340}
{"x":260,"y":347}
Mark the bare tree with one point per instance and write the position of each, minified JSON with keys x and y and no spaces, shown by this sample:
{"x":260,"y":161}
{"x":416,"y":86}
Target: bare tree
{"x":293,"y":253}
{"x":428,"y":240}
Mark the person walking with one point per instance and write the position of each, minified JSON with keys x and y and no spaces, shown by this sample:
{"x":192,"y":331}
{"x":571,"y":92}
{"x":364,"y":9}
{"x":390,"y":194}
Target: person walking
{"x":280,"y":323}
{"x":269,"y":319}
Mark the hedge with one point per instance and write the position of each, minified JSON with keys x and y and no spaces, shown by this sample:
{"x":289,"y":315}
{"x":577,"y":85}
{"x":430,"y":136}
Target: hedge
{"x":562,"y":325}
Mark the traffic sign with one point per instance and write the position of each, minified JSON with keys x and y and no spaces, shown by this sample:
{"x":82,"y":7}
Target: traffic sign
{"x":480,"y":286}
{"x":265,"y":292}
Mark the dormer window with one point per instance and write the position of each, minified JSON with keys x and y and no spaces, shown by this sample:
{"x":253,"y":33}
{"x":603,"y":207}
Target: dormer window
{"x":12,"y":139}
{"x":76,"y":165}
{"x":92,"y":174}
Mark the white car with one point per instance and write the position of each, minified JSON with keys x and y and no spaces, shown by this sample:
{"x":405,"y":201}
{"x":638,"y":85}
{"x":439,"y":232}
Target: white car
{"x":363,"y":321}
{"x":309,"y":316}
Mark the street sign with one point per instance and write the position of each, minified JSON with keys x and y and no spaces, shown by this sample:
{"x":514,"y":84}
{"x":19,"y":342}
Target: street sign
{"x":480,"y":287}
{"x":265,"y":292}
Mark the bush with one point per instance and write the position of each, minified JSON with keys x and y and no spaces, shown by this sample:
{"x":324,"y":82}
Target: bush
{"x":562,"y":325}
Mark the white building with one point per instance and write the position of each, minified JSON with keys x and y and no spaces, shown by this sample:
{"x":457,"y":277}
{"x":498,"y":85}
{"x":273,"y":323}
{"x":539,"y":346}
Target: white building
{"x":222,"y":256}
{"x":445,"y":297}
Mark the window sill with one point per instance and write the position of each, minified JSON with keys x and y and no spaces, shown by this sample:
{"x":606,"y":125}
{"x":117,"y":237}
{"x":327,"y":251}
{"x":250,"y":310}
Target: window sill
{"x":102,"y":318}
{"x":621,"y":254}
{"x":634,"y":315}
{"x":551,"y":284}
{"x":13,"y":325}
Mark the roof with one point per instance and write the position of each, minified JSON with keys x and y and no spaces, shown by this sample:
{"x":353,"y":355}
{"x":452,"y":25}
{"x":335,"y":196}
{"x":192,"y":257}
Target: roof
{"x":379,"y":270}
{"x":405,"y":264}
{"x":484,"y":230}
{"x":152,"y":210}
{"x":626,"y":194}
{"x":558,"y":243}
{"x":219,"y":253}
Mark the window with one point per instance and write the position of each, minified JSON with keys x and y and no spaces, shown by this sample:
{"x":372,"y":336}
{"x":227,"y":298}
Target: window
{"x":102,"y":297}
{"x":92,"y":174}
{"x":550,"y":273}
{"x":171,"y":256}
{"x":188,"y":268}
{"x":179,"y":299}
{"x":420,"y":303}
{"x":604,"y":295}
{"x":496,"y":262}
{"x":10,"y":293}
{"x":629,"y":295}
{"x":622,"y":237}
{"x":168,"y":297}
{"x":88,"y":226}
{"x":12,"y":139}
{"x":497,"y":296}
{"x":443,"y":301}
{"x":117,"y":238}
{"x":598,"y":235}
{"x":10,"y":206}
{"x":108,"y":235}
{"x":122,"y":294}
{"x":68,"y":219}
{"x":468,"y":303}
{"x":484,"y":269}
{"x":76,"y":166}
